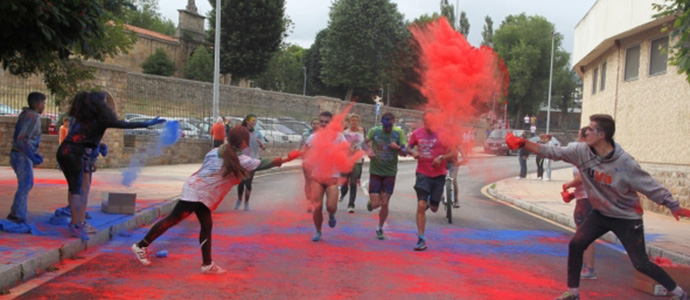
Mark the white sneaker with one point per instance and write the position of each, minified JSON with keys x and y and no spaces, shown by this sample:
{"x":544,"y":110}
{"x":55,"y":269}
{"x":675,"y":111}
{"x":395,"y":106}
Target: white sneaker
{"x":212,"y":269}
{"x":546,"y":179}
{"x":142,"y":254}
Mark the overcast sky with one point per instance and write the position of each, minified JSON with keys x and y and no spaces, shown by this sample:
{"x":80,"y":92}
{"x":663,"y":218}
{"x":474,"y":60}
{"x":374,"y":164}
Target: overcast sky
{"x":310,"y":16}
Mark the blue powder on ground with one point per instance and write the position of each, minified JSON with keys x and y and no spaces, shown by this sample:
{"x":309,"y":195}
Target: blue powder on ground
{"x":168,"y":137}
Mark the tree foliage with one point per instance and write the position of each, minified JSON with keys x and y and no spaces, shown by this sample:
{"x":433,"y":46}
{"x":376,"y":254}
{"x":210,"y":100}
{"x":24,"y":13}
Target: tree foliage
{"x":52,"y":37}
{"x":252,"y":31}
{"x":448,"y":11}
{"x":680,"y":32}
{"x":158,"y":64}
{"x":147,"y":15}
{"x":312,"y":61}
{"x":488,"y":32}
{"x":285,"y":72}
{"x":361,"y":44}
{"x":464,"y":26}
{"x":200,"y":65}
{"x":524,"y":42}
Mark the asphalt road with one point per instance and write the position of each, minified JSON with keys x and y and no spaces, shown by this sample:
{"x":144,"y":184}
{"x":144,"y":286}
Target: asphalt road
{"x":491,"y":251}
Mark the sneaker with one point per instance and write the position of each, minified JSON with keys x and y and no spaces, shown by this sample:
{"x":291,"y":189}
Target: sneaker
{"x":683,"y":296}
{"x":246,"y":205}
{"x":539,"y":178}
{"x":588,"y":274}
{"x":351,"y":210}
{"x":89,"y":229}
{"x":421,"y":245}
{"x":238,"y":203}
{"x":331,"y":220}
{"x":546,"y":179}
{"x":87,"y":216}
{"x":310,"y":208}
{"x":341,"y":198}
{"x":78,"y":231}
{"x":317,"y":237}
{"x":369,"y":208}
{"x":568,"y":296}
{"x":379,"y":234}
{"x":14,"y":219}
{"x":212,"y":269}
{"x":142,"y":254}
{"x":456,"y":204}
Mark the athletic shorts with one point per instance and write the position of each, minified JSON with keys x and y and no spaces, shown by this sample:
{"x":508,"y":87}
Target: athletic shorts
{"x":430,"y":188}
{"x":325,"y":183}
{"x":381,"y":184}
{"x":582,"y":209}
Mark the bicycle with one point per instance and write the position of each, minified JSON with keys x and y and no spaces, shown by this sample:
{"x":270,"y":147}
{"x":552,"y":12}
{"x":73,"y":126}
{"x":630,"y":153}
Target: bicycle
{"x":450,"y":194}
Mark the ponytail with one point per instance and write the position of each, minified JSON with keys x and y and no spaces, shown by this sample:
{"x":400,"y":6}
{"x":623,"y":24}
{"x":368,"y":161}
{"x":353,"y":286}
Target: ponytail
{"x":231,"y":163}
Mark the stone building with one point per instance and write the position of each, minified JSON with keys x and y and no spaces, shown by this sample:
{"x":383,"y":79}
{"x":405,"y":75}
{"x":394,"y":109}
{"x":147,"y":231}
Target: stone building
{"x":620,"y":53}
{"x":189,"y":35}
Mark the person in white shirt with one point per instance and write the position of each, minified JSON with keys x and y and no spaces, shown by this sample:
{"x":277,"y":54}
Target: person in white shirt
{"x":223,"y":168}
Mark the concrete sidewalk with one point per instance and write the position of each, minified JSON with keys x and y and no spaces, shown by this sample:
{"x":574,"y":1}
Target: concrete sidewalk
{"x":665,"y":236}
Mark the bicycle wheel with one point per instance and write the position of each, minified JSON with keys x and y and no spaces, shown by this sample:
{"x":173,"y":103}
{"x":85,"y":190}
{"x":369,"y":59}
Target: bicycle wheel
{"x":449,"y":202}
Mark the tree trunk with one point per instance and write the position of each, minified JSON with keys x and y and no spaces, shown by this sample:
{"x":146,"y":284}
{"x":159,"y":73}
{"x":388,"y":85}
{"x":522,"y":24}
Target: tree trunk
{"x":518,"y":118}
{"x":348,"y":95}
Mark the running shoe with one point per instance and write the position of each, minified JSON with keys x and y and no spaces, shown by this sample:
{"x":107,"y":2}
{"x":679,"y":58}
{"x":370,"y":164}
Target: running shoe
{"x":379,"y":234}
{"x":351,"y":210}
{"x":456,"y":204}
{"x":568,"y":296}
{"x":142,"y":254}
{"x":246,"y":205}
{"x":212,"y":269}
{"x":331,"y":220}
{"x":87,"y":216}
{"x":683,"y":296}
{"x":588,"y":274}
{"x":78,"y":231}
{"x":317,"y":237}
{"x":238,"y":203}
{"x":341,"y":198}
{"x":421,"y":244}
{"x":369,"y":208}
{"x":88,"y":228}
{"x":310,"y":208}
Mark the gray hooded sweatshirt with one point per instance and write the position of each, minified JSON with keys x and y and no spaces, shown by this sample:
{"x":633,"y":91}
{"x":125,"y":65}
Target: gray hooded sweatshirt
{"x":612,"y":182}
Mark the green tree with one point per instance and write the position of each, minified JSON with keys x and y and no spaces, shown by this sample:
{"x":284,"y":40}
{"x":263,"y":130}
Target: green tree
{"x":147,"y":16}
{"x":448,"y":11}
{"x":52,"y":38}
{"x":488,"y":32}
{"x":464,"y":24}
{"x":680,"y":32}
{"x":312,"y":61}
{"x":158,"y":64}
{"x":252,"y":31}
{"x":285,"y":72}
{"x":361,"y":44}
{"x":565,"y":86}
{"x":200,"y":65}
{"x":524,"y":42}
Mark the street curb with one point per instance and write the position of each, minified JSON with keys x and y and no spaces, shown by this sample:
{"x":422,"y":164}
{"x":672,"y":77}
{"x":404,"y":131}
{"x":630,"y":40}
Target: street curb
{"x":16,"y":273}
{"x":565,"y":220}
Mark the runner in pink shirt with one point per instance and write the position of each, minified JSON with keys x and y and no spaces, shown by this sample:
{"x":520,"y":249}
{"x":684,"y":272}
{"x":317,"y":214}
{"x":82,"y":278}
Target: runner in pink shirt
{"x":431,"y":156}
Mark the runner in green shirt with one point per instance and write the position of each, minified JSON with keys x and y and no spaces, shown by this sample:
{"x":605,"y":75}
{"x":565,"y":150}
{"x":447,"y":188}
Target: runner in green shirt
{"x":386,"y":142}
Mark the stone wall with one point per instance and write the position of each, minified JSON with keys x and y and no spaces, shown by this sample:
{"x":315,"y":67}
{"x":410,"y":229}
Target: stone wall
{"x":675,"y":178}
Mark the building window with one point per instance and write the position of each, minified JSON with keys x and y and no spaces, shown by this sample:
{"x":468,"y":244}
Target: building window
{"x":603,"y":77}
{"x":632,"y":63}
{"x":658,"y":56}
{"x":594,"y":81}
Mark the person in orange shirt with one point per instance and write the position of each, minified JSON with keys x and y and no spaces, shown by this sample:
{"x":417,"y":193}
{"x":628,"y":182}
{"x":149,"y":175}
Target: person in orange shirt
{"x":218,"y":132}
{"x":64,"y":129}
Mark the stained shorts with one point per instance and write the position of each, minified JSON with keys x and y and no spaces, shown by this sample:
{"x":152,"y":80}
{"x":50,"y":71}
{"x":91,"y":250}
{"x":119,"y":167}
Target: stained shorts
{"x":381,"y":184}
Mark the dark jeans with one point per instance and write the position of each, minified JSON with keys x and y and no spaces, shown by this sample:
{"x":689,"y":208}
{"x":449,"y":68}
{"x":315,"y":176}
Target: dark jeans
{"x":523,"y":167}
{"x":631,"y":235}
{"x":181,"y":211}
{"x":540,"y":166}
{"x":248,"y":184}
{"x":351,"y":182}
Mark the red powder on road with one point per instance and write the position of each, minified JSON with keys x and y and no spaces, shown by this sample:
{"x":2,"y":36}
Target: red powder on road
{"x":458,"y":79}
{"x":329,"y":153}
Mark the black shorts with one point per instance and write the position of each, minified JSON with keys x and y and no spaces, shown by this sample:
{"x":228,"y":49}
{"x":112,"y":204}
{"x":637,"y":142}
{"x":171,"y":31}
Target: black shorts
{"x":430,"y":188}
{"x":70,"y":157}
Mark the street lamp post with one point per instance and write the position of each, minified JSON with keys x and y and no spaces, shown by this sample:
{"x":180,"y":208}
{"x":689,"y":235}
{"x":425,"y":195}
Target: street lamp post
{"x":304,"y":86}
{"x":216,"y":63}
{"x":548,"y":112}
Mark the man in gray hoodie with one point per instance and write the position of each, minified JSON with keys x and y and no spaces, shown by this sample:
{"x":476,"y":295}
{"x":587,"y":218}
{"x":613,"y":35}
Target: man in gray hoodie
{"x":612,"y":179}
